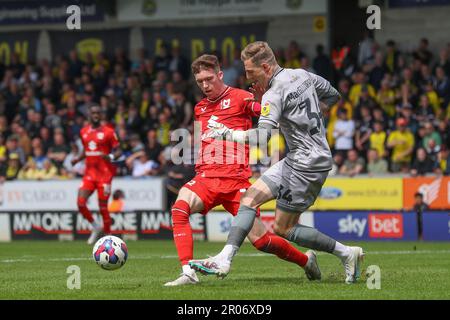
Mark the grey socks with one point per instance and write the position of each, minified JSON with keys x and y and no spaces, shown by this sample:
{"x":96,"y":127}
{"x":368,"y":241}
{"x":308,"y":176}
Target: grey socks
{"x":241,"y":226}
{"x":311,"y":238}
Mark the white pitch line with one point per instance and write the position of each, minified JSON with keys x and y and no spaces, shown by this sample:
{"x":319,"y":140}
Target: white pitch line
{"x":247,"y":255}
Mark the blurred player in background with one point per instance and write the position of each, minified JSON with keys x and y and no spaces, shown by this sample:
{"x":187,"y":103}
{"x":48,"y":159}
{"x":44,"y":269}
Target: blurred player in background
{"x":290,"y":100}
{"x":100,"y":149}
{"x":218,"y":180}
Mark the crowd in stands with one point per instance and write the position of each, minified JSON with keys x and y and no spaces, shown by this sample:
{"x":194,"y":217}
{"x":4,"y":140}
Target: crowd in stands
{"x":393,"y":115}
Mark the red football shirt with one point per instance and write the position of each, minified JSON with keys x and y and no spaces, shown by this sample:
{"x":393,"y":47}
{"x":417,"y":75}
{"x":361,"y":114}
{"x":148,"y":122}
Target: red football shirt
{"x":97,"y":142}
{"x":226,"y":158}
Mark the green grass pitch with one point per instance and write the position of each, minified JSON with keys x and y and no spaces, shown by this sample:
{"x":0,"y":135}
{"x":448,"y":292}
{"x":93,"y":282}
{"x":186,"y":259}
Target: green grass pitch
{"x":38,"y":270}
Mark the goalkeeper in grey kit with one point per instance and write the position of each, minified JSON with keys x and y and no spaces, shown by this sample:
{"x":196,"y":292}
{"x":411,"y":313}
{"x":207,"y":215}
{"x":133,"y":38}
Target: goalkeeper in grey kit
{"x":291,"y":99}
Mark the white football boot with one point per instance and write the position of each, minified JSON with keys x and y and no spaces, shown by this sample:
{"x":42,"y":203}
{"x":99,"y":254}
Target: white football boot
{"x":95,"y":234}
{"x":216,"y":265}
{"x":189,"y":277}
{"x":311,"y":268}
{"x":353,"y":265}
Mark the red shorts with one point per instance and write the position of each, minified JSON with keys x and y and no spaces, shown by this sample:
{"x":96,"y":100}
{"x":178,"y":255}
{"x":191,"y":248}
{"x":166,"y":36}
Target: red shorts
{"x":219,"y":191}
{"x":103,"y":187}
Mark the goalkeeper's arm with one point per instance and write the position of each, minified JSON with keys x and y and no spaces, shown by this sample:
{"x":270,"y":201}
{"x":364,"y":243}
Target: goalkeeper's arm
{"x":263,"y":130}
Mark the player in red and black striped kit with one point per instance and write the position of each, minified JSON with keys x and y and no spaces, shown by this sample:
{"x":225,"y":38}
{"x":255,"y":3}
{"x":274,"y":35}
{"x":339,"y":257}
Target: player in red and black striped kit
{"x":100,"y":144}
{"x":222,"y":170}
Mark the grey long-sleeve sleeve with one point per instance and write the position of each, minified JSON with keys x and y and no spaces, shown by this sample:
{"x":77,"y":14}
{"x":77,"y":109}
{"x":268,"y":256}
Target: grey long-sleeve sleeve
{"x":325,"y":91}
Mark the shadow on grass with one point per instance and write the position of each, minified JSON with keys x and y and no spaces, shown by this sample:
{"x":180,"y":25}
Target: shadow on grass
{"x":287,"y":282}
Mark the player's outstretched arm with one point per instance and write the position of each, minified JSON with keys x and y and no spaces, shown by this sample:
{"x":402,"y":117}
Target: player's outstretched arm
{"x":220,"y":130}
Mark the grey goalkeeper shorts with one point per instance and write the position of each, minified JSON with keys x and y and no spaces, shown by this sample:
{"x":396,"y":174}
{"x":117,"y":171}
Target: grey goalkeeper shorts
{"x":294,"y":189}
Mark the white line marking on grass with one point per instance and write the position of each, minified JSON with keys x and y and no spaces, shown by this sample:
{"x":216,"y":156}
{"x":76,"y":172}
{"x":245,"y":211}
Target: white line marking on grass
{"x":246,"y":255}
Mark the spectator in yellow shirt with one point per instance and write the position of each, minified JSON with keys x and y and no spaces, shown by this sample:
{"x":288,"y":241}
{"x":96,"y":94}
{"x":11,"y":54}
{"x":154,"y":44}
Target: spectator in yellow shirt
{"x":378,"y":139}
{"x":443,"y":160}
{"x":356,"y":90}
{"x":49,"y":171}
{"x":11,"y":168}
{"x":447,"y":113}
{"x":29,"y":171}
{"x":433,"y":98}
{"x":292,"y":56}
{"x":386,"y":98}
{"x":401,"y":141}
{"x":292,"y":62}
{"x":163,"y":132}
{"x":3,"y":150}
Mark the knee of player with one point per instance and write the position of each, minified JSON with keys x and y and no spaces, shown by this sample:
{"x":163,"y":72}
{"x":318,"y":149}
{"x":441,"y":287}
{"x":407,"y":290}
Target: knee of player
{"x":81,"y":202}
{"x":249,"y":201}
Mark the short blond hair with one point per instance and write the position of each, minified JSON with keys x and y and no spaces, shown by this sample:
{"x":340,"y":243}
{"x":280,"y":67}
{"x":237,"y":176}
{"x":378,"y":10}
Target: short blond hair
{"x":259,"y":52}
{"x":205,"y":62}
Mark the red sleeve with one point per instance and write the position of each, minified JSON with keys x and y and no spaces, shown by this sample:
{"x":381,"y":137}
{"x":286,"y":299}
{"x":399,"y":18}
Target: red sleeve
{"x":256,"y":108}
{"x":252,"y":108}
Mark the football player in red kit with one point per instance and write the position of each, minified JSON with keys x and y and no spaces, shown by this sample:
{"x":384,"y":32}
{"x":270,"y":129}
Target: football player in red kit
{"x":221,"y":179}
{"x":100,"y":148}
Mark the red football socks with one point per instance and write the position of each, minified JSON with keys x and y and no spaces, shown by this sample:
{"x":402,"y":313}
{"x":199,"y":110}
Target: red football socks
{"x":280,"y":247}
{"x":182,"y":231}
{"x":106,"y":217}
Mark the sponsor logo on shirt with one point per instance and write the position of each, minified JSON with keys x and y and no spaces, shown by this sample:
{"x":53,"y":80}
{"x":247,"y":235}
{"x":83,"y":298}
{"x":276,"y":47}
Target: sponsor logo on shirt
{"x":92,"y":145}
{"x":265,"y":110}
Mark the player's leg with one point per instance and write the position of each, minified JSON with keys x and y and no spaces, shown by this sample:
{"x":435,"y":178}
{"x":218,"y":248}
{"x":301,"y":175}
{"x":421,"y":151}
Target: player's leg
{"x":299,"y":193}
{"x":103,"y":194}
{"x":189,"y":201}
{"x":266,"y":241}
{"x":258,"y":194}
{"x":85,"y":191}
{"x":259,"y":236}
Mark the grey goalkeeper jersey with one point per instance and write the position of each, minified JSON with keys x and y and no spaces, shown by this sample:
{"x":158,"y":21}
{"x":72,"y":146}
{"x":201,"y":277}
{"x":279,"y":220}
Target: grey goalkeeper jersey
{"x":292,"y":102}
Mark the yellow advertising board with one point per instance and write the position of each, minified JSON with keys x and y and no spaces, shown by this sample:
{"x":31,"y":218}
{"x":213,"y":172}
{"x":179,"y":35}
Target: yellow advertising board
{"x":360,"y":194}
{"x":357,"y":194}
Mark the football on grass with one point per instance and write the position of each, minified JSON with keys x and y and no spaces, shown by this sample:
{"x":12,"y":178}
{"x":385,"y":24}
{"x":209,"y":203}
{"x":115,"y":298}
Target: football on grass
{"x":110,"y":252}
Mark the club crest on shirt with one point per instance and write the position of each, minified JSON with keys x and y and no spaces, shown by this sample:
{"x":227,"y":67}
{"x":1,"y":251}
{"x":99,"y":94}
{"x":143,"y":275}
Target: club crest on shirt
{"x":265,"y":110}
{"x":225,"y":104}
{"x":100,"y":135}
